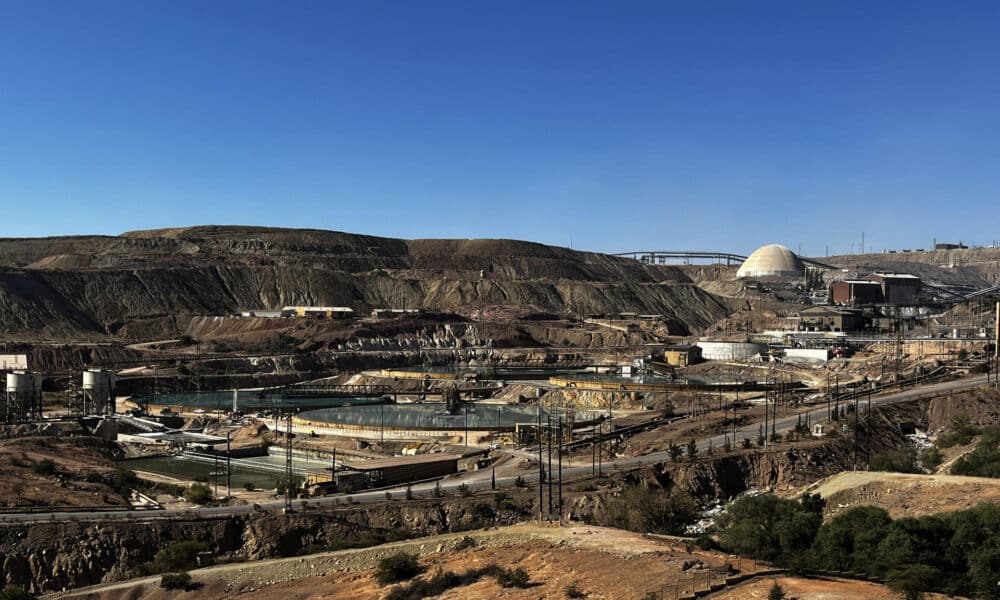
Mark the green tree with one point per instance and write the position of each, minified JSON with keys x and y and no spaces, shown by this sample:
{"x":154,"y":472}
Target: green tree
{"x":849,"y":542}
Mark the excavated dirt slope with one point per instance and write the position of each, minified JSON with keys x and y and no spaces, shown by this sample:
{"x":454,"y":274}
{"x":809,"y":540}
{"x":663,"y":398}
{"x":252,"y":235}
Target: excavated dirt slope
{"x":99,"y":285}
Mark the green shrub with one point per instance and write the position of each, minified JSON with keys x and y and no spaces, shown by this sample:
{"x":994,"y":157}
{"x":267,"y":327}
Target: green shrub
{"x":931,"y":458}
{"x":776,"y":592}
{"x":984,"y":461}
{"x":913,"y":580}
{"x":900,"y":460}
{"x":175,"y":581}
{"x":198,"y":493}
{"x":16,"y":593}
{"x":179,"y":556}
{"x":249,"y":486}
{"x":960,"y":433}
{"x":46,"y":466}
{"x":511,"y":578}
{"x":641,"y":509}
{"x":397,"y":567}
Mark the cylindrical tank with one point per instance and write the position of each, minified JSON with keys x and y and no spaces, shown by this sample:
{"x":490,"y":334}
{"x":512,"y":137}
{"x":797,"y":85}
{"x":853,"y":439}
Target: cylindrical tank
{"x":98,"y":390}
{"x":24,"y":385}
{"x":24,"y":395}
{"x":730,"y":350}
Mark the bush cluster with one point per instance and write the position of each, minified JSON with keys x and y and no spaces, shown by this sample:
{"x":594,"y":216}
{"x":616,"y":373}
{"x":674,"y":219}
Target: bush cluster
{"x":955,"y":553}
{"x":639,"y":508}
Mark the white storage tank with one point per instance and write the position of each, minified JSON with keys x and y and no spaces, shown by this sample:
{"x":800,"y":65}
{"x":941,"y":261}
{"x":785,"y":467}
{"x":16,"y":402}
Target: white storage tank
{"x":23,"y":395}
{"x":730,"y":350}
{"x":99,"y":391}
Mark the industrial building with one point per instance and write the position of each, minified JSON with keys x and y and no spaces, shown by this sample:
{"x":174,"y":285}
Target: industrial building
{"x":396,"y":470}
{"x":772,"y":262}
{"x":11,"y":362}
{"x":856,"y":291}
{"x":731,"y":350}
{"x":681,"y":355}
{"x":321,"y":312}
{"x":830,"y":318}
{"x":897,"y":288}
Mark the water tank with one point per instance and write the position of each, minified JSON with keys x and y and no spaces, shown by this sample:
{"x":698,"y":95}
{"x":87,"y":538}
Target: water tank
{"x":98,"y":391}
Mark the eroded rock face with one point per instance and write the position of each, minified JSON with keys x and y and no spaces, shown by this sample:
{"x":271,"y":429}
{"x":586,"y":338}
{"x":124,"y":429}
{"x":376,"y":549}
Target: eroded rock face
{"x":146,"y":284}
{"x":48,"y":557}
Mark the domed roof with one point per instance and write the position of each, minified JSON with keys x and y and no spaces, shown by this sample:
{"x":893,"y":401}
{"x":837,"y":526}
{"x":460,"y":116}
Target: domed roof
{"x":772,"y":260}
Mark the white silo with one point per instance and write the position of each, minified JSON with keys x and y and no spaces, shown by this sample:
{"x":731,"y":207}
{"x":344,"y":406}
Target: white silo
{"x":99,"y":392}
{"x":23,"y":396}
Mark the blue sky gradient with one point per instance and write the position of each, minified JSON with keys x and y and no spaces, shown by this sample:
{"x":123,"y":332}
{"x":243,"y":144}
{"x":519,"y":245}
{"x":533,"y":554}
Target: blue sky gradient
{"x":610,"y":126}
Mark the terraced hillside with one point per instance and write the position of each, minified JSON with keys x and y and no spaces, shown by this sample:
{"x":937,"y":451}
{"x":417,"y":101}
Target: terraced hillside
{"x":98,"y":286}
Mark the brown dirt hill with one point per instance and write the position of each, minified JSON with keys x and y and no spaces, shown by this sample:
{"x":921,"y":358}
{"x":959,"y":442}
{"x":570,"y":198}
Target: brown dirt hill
{"x":71,"y":286}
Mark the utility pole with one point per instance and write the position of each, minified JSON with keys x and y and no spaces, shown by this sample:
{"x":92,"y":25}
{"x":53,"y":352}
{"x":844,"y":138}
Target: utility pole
{"x":600,"y":449}
{"x":560,"y":440}
{"x":549,"y":450}
{"x":857,"y":422}
{"x":229,"y":467}
{"x":289,"y":477}
{"x":541,"y":466}
{"x":868,"y":431}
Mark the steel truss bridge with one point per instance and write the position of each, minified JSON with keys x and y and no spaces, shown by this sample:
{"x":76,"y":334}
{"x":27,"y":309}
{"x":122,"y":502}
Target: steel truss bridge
{"x":663,"y":257}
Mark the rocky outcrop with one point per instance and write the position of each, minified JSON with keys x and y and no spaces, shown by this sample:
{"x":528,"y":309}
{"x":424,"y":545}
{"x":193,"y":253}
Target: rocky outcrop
{"x":45,"y":557}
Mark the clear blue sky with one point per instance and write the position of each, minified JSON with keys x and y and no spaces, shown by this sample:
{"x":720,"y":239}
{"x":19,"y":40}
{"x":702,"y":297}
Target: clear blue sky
{"x":614,"y":125}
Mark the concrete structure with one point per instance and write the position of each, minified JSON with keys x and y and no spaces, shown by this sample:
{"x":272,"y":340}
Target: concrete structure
{"x":263,"y":314}
{"x":853,"y":291}
{"x":322,"y":312}
{"x":23,"y":396}
{"x":772,"y":262}
{"x":13,"y":362}
{"x":99,"y":392}
{"x":830,"y":318}
{"x":681,"y":355}
{"x":807,"y":355}
{"x":897,"y":288}
{"x":730,"y":350}
{"x":397,"y":470}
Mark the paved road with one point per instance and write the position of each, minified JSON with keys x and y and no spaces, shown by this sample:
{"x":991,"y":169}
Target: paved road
{"x":477,"y":480}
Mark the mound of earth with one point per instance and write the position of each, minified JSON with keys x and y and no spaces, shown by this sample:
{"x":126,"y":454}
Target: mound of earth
{"x":38,"y":472}
{"x":903,"y":494}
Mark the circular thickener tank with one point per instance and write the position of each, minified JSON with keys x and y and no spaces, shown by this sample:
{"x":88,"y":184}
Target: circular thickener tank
{"x":730,"y":350}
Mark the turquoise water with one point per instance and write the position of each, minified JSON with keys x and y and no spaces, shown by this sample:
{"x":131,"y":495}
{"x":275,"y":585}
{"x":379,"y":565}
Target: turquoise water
{"x":247,"y":399}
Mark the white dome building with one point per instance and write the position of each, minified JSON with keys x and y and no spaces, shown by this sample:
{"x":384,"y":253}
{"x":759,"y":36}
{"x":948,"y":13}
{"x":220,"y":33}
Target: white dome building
{"x":771,"y":261}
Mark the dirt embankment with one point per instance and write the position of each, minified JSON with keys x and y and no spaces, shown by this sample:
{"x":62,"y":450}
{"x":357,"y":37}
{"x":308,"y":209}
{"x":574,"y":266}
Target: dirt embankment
{"x":599,"y":562}
{"x":41,"y":471}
